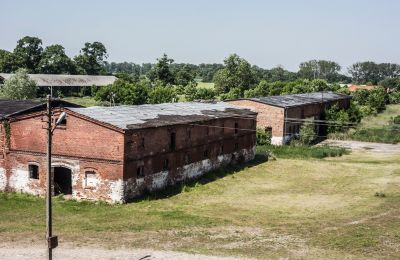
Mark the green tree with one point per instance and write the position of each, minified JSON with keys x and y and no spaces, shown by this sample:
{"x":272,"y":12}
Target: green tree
{"x":320,"y":69}
{"x":237,"y":73}
{"x":261,"y":90}
{"x":185,"y":75}
{"x":8,"y":61}
{"x":365,"y":72}
{"x":29,"y":53}
{"x":162,"y":71}
{"x":338,"y":119}
{"x":91,"y":59}
{"x":125,"y":92}
{"x":190,"y":92}
{"x":19,"y":86}
{"x":391,"y":84}
{"x":162,"y":94}
{"x":55,"y":61}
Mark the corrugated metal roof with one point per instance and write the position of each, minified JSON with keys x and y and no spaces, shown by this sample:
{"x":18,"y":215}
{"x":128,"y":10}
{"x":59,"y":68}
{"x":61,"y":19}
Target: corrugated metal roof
{"x":143,"y":116}
{"x":52,"y":80}
{"x":300,"y":99}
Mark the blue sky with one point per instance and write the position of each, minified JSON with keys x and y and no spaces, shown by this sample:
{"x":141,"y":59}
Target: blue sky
{"x":266,"y":33}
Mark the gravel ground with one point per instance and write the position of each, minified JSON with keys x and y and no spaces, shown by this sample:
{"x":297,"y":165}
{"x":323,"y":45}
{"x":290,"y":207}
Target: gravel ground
{"x":366,"y":146}
{"x":15,"y":252}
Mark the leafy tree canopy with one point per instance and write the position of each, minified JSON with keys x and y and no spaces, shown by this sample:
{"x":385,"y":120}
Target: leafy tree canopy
{"x":91,"y":59}
{"x":28,"y":53}
{"x":55,"y":61}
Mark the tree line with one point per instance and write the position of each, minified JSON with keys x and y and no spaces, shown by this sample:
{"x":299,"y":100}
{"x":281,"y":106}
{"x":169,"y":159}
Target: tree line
{"x":30,"y":54}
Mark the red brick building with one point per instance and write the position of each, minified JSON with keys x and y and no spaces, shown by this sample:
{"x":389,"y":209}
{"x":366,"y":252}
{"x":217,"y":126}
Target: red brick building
{"x":118,"y":153}
{"x":283,"y":115}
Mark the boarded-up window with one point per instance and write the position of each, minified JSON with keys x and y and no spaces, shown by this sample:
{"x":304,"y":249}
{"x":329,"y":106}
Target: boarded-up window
{"x":173,"y":141}
{"x":33,"y":171}
{"x":140,"y":172}
{"x":166,"y":165}
{"x":221,"y":150}
{"x":90,"y":179}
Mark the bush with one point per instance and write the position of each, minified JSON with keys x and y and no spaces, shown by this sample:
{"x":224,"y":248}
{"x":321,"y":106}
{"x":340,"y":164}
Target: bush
{"x":125,"y":92}
{"x":194,"y":93}
{"x":394,"y":97}
{"x":302,"y":152}
{"x":396,"y":120}
{"x":19,"y":86}
{"x":234,"y":93}
{"x":307,"y":133}
{"x":162,"y":94}
{"x":385,"y":134}
{"x":263,"y":137}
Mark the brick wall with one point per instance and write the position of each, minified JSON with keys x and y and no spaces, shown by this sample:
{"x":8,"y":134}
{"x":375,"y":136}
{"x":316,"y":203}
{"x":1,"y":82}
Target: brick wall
{"x":81,"y":146}
{"x":193,"y":143}
{"x":268,"y":116}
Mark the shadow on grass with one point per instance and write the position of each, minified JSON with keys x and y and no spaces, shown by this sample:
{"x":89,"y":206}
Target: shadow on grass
{"x":202,"y":180}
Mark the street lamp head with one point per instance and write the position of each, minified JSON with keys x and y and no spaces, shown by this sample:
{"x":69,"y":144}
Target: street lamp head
{"x":61,"y":118}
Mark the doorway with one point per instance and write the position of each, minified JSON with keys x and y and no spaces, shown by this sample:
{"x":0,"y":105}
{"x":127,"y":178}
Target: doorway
{"x":62,"y":181}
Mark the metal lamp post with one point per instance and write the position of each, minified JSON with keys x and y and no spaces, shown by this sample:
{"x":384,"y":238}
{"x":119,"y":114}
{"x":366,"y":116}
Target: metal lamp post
{"x":52,"y":241}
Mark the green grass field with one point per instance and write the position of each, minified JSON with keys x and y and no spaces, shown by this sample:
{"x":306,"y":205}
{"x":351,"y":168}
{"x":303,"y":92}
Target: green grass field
{"x":205,"y":85}
{"x":85,"y":101}
{"x":286,"y":208}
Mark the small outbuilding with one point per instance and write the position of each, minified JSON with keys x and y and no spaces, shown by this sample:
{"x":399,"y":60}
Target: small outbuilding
{"x":283,"y":115}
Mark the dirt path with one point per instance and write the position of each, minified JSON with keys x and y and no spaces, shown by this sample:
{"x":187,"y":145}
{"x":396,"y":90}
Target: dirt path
{"x":366,"y":146}
{"x":11,"y":251}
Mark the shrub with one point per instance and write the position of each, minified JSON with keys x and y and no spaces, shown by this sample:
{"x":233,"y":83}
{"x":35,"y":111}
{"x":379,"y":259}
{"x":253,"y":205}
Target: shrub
{"x":302,"y":152}
{"x":307,"y":133}
{"x":263,"y":137}
{"x":396,"y":120}
{"x":194,"y":93}
{"x":162,"y":94}
{"x":19,"y":86}
{"x":233,"y":93}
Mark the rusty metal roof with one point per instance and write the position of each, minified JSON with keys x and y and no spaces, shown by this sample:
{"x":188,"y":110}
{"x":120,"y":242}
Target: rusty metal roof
{"x":55,"y":80}
{"x":144,"y":116}
{"x":294,"y":100}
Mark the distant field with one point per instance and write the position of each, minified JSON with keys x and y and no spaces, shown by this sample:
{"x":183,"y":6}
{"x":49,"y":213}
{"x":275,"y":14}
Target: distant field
{"x":84,"y":101}
{"x":205,"y":85}
{"x":345,"y":207}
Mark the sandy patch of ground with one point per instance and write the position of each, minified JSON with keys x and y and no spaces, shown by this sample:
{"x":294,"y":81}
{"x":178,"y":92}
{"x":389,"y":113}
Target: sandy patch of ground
{"x":66,"y":251}
{"x":366,"y":146}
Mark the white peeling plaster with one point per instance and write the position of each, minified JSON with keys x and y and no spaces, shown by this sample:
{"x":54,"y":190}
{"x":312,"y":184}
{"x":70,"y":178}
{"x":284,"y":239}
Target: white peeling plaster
{"x":3,"y":179}
{"x":116,"y":193}
{"x":277,"y":140}
{"x":19,"y":181}
{"x":159,"y":180}
{"x":134,"y":188}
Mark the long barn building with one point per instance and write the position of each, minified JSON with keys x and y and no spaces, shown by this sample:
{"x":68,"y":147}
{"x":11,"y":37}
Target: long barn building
{"x":283,"y":115}
{"x":119,"y":153}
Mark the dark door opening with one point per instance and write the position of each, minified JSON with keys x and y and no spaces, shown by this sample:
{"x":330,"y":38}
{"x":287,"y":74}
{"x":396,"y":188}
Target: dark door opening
{"x":62,"y":181}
